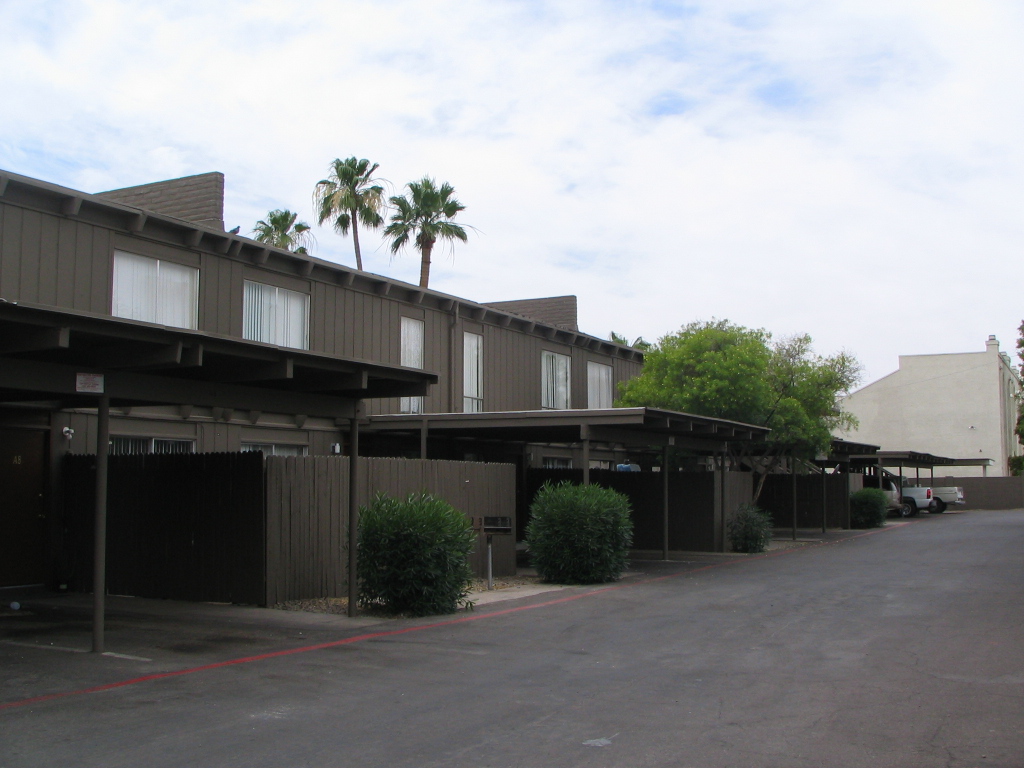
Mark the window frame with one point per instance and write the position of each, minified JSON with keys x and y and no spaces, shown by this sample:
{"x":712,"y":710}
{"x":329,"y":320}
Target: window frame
{"x":472,"y":403}
{"x":607,"y":371}
{"x":549,"y":389}
{"x":411,"y":358}
{"x":122,"y":305}
{"x":277,"y":328}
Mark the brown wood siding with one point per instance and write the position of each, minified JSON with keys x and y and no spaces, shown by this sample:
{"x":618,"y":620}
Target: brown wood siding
{"x":51,"y":259}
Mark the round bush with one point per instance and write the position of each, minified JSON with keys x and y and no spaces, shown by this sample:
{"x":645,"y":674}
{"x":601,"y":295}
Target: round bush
{"x":868,"y":508}
{"x":579,"y":534}
{"x":750,"y":530}
{"x":414,"y":556}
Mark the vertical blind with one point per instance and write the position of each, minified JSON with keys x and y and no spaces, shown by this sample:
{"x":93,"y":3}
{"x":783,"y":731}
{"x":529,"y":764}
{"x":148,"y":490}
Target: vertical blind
{"x":599,"y":385}
{"x":412,"y":357}
{"x":472,"y":373}
{"x":554,"y":380}
{"x":155,"y":291}
{"x":275,"y":316}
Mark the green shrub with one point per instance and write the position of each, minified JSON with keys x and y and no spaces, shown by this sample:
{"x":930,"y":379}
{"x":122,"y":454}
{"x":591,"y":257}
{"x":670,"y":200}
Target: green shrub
{"x":750,"y":530}
{"x":579,"y":534}
{"x":868,"y":508}
{"x":414,"y":556}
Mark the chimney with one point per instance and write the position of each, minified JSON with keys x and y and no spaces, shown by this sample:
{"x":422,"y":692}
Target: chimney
{"x":992,"y":345}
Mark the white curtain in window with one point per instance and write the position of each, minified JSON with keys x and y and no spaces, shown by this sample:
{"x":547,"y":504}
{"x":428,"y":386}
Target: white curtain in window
{"x":275,"y":315}
{"x":472,"y":373}
{"x":155,"y":291}
{"x":554,"y":380}
{"x":599,"y":385}
{"x":412,"y":357}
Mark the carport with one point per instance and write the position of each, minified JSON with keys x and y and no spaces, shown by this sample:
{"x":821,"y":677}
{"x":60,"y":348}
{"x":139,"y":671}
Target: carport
{"x":51,"y":360}
{"x":640,"y":430}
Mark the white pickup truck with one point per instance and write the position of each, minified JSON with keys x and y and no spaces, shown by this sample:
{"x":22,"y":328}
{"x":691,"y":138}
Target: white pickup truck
{"x":935,"y":499}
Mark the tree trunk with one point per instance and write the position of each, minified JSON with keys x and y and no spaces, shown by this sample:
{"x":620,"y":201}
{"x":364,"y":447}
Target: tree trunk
{"x":355,"y":240}
{"x":425,"y":250}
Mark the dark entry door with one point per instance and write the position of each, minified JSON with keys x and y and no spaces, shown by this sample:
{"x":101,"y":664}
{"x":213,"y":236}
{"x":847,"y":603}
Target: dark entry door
{"x":22,"y":507}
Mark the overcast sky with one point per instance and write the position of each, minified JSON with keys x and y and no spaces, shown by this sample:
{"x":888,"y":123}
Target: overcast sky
{"x":848,"y":169}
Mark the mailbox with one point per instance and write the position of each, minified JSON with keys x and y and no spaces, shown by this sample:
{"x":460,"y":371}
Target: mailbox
{"x":497,"y":525}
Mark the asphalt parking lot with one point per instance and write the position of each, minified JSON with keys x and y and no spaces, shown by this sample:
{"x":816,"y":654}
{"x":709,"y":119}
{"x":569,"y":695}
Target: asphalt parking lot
{"x":900,"y":647}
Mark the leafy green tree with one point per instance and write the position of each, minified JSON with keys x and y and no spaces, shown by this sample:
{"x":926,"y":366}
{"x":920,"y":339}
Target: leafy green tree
{"x":348,"y":196}
{"x":281,"y":230}
{"x":726,"y":371}
{"x":424,"y":215}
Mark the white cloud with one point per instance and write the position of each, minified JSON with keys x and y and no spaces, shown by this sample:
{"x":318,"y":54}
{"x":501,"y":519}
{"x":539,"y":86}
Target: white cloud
{"x":849,"y":169}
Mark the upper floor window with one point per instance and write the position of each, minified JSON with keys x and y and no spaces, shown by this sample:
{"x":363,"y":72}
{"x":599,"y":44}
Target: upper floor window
{"x":275,"y":316}
{"x":554,"y":380}
{"x":472,"y":373}
{"x":412,"y":357}
{"x":155,"y":291}
{"x":599,"y":385}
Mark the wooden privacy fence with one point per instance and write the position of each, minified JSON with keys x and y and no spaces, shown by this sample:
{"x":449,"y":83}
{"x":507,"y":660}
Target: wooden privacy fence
{"x":777,"y":498}
{"x":695,"y":502}
{"x":179,"y":526}
{"x":307,"y":514}
{"x":986,"y":492}
{"x":237,"y":528}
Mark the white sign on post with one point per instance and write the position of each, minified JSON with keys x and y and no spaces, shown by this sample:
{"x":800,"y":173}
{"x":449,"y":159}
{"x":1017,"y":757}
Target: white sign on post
{"x":91,"y":383}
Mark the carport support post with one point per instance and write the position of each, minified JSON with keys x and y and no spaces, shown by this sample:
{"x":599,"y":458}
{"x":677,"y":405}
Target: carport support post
{"x":792,"y":473}
{"x":99,"y":552}
{"x":585,"y":435}
{"x":824,"y":501}
{"x":353,"y":511}
{"x":664,"y":504}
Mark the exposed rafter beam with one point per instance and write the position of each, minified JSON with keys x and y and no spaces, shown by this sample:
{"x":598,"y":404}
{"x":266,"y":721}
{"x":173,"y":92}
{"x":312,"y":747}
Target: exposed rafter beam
{"x":71,"y":206}
{"x":137,"y":223}
{"x":37,"y":341}
{"x":306,"y":268}
{"x":261,"y":256}
{"x":193,"y":237}
{"x":4,"y":180}
{"x":281,"y":370}
{"x":169,"y":354}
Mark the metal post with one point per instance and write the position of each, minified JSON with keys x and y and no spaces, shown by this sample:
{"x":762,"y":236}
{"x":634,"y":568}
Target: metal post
{"x":664,"y":504}
{"x":721,"y":504}
{"x":99,"y":562}
{"x":585,"y":434}
{"x":353,"y":510}
{"x":824,"y":501}
{"x":490,"y":562}
{"x":792,"y":472}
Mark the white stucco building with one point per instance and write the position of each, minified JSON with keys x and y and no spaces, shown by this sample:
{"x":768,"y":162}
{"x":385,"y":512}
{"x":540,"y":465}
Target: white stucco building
{"x":961,"y":405}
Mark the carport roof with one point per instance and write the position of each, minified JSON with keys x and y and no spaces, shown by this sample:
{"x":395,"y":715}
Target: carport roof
{"x":636,"y":427}
{"x":909,"y":459}
{"x":43,"y":350}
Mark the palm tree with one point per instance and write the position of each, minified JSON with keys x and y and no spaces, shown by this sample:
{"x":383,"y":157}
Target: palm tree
{"x":350,"y":195}
{"x":281,"y":230}
{"x":425,"y":215}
